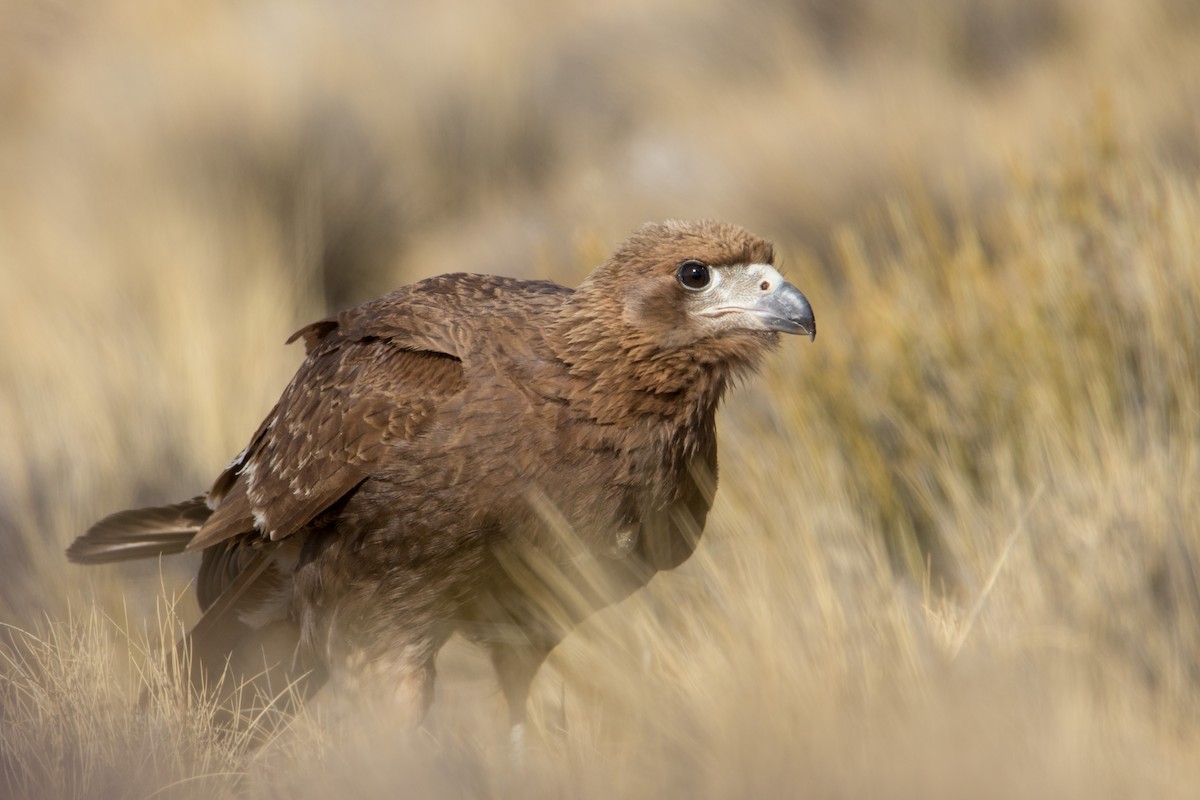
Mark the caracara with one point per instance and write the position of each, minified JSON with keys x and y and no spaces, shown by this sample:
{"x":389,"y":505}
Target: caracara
{"x":474,"y":454}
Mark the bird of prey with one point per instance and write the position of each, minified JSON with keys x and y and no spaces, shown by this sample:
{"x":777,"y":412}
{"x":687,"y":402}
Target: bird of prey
{"x":475,"y":454}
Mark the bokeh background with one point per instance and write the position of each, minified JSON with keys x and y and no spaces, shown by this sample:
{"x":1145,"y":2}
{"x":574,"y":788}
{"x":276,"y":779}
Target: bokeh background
{"x":955,"y":549}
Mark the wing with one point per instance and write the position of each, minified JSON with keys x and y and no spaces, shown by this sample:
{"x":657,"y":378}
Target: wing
{"x":373,"y":376}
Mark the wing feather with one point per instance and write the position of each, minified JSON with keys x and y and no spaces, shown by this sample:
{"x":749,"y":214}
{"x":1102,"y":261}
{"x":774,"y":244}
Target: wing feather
{"x":373,"y":376}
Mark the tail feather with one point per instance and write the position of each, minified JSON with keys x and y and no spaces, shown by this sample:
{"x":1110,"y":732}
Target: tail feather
{"x":244,"y":652}
{"x":140,"y":533}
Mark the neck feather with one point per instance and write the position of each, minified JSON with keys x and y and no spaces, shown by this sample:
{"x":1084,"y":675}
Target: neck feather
{"x":623,"y":374}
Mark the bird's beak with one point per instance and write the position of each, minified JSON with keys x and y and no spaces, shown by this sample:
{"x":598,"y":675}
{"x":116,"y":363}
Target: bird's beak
{"x":786,"y":310}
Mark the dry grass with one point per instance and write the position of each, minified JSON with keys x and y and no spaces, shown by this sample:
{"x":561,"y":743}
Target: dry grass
{"x":955,"y":548}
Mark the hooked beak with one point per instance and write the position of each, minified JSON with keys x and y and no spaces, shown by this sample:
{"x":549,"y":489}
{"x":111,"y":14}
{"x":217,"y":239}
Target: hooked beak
{"x":786,"y":310}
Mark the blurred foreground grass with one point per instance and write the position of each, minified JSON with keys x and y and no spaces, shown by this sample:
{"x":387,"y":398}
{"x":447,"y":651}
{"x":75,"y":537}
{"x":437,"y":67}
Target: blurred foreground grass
{"x":955,"y":547}
{"x":1015,"y":397}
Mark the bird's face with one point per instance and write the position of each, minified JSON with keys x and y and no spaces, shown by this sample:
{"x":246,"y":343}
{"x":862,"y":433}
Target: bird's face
{"x":695,"y":283}
{"x":750,"y":297}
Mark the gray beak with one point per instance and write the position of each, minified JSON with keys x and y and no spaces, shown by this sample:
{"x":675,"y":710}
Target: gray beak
{"x":786,"y":310}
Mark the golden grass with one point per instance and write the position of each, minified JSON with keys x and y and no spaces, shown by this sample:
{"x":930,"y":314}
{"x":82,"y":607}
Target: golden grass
{"x":955,"y":547}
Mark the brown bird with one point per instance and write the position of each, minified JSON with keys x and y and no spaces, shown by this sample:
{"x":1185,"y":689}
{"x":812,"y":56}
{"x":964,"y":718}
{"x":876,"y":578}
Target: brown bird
{"x":476,"y":454}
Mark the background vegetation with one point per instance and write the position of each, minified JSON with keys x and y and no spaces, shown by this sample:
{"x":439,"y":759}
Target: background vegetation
{"x":955,"y":550}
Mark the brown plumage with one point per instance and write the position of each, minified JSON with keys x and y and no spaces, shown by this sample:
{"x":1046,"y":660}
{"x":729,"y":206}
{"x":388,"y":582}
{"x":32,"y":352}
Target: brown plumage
{"x":475,"y":454}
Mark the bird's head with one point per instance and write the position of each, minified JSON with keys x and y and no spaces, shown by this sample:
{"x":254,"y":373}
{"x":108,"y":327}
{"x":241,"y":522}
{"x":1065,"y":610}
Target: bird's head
{"x":688,"y":282}
{"x":678,"y":295}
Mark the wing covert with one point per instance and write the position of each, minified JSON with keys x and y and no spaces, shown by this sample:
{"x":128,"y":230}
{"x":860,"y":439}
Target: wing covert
{"x":351,"y":399}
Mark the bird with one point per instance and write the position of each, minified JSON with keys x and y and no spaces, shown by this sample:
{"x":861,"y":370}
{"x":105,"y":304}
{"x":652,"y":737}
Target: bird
{"x":474,"y":454}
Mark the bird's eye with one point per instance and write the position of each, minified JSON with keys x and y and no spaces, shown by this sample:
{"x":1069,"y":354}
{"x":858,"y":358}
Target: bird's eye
{"x":694,"y":275}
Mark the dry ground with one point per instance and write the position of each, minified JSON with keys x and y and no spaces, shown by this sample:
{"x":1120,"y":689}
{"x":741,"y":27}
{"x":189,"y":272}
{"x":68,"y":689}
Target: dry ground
{"x":955,"y":551}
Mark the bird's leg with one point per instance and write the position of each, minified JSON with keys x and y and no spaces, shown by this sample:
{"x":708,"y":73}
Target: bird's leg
{"x":413,"y":694}
{"x":516,"y":664}
{"x":402,"y":683}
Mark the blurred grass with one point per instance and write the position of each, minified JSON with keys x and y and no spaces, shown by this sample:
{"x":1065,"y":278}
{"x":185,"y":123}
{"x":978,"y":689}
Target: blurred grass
{"x":955,"y":547}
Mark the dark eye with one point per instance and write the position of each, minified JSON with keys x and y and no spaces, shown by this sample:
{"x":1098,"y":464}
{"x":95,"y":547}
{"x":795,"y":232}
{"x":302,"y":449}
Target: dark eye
{"x":694,"y":275}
